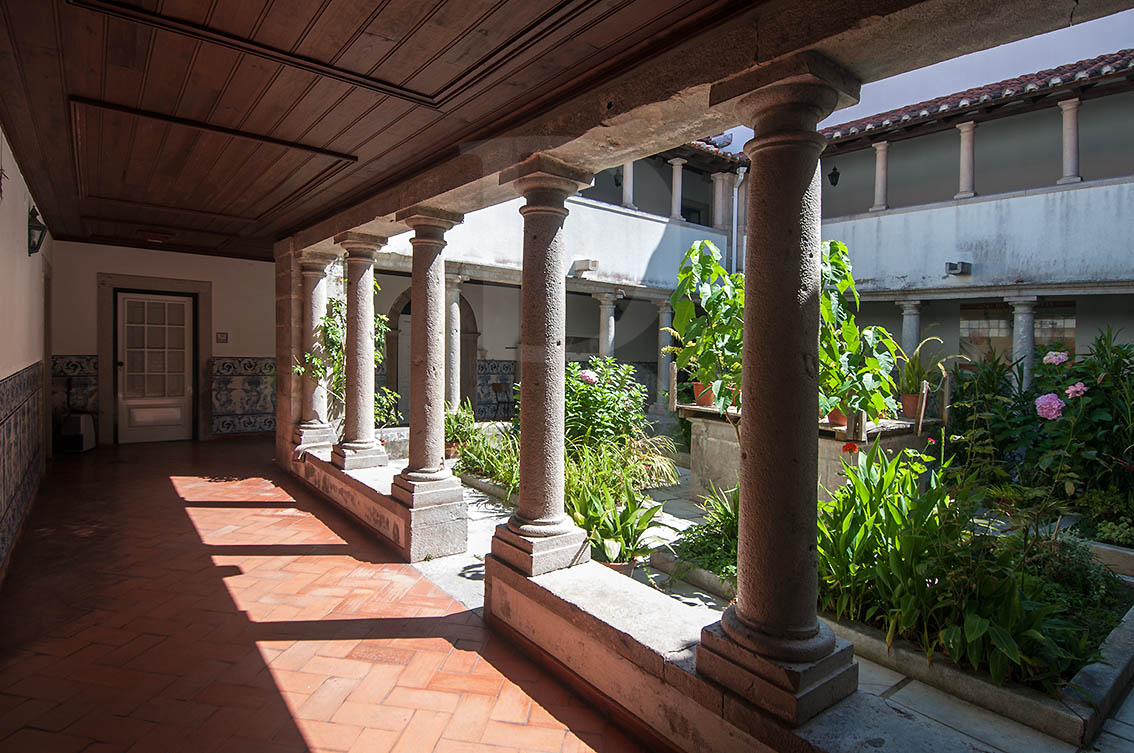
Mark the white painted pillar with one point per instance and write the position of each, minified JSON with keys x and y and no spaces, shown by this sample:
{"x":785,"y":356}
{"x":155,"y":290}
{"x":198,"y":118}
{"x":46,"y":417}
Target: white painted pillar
{"x":665,"y":320}
{"x":966,"y":187}
{"x":453,"y":341}
{"x":628,"y":184}
{"x":722,"y":200}
{"x":770,"y":647}
{"x":359,"y":448}
{"x":606,"y":323}
{"x":1024,"y":335}
{"x":675,"y":189}
{"x":911,"y":325}
{"x":313,"y":429}
{"x":540,"y":536}
{"x":1070,"y":108}
{"x":881,"y":168}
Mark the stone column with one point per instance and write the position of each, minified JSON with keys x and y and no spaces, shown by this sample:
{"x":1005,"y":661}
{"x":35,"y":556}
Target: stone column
{"x":426,"y":481}
{"x":313,"y":429}
{"x":453,"y":341}
{"x":911,"y":325}
{"x":628,"y":184}
{"x":1070,"y":108}
{"x":770,"y":647}
{"x":606,"y":323}
{"x":540,"y":537}
{"x":722,"y":200}
{"x":675,"y":189}
{"x":665,"y":320}
{"x":966,"y":188}
{"x":1024,"y":335}
{"x":359,"y":448}
{"x":881,"y":167}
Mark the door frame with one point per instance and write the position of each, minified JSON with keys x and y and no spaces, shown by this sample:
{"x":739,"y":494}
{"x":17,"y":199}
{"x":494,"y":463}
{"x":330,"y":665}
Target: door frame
{"x":109,"y":285}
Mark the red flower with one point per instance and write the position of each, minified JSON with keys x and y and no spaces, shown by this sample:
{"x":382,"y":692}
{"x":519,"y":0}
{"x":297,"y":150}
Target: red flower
{"x":932,"y":440}
{"x":850,"y":447}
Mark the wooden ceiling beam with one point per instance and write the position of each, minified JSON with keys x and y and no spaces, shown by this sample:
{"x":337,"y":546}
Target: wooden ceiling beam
{"x":187,"y":211}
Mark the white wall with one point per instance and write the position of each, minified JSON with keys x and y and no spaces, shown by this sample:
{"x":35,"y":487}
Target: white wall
{"x":21,"y":276}
{"x":1096,"y":312}
{"x":243,"y":294}
{"x":1106,"y":143}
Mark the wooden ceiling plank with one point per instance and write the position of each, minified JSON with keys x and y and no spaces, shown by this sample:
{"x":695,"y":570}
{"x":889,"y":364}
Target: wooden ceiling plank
{"x":385,"y":34}
{"x":108,"y":204}
{"x":333,"y":30}
{"x":450,"y":23}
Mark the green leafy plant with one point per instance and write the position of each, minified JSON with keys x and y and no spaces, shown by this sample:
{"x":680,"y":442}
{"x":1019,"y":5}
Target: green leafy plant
{"x":603,"y":402}
{"x":494,"y":455}
{"x":913,"y":369}
{"x":460,"y":422}
{"x":617,"y":521}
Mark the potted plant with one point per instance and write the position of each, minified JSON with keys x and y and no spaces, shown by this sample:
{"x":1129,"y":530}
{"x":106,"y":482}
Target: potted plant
{"x":708,"y":326}
{"x":913,"y":370}
{"x":460,"y":425}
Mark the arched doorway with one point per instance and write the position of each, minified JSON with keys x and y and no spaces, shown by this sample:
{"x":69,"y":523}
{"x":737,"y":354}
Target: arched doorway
{"x":397,"y":350}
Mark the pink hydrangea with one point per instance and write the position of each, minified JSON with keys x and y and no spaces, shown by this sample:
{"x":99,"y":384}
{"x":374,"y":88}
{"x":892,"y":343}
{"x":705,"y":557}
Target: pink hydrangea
{"x":1049,"y":406}
{"x":1077,"y":390}
{"x":588,"y":376}
{"x":1056,"y":357}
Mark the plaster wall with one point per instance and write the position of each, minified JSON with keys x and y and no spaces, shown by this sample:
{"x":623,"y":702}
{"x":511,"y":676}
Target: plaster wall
{"x":855,"y":192}
{"x":1106,"y":149}
{"x":243,"y":294}
{"x":1067,"y":234}
{"x":1097,"y":312}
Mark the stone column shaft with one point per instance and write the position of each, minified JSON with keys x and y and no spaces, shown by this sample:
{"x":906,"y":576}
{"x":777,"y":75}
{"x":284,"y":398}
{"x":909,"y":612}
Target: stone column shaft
{"x":881,"y":169}
{"x":453,"y":342}
{"x":911,"y":325}
{"x":606,"y":323}
{"x":359,"y":448}
{"x":675,"y":189}
{"x":665,"y":320}
{"x":1070,"y":108}
{"x":722,"y":200}
{"x":628,"y":184}
{"x":540,"y":536}
{"x":1024,"y":335}
{"x":313,"y":428}
{"x":966,"y":186}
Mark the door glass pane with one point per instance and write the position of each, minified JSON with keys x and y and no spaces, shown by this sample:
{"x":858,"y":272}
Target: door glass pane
{"x":155,"y":386}
{"x":175,"y":385}
{"x":155,"y":361}
{"x":135,"y":337}
{"x":155,"y":313}
{"x":135,"y":312}
{"x":135,"y":385}
{"x":156,"y":337}
{"x":176,"y":313}
{"x":175,"y":362}
{"x":135,"y":361}
{"x":175,"y":337}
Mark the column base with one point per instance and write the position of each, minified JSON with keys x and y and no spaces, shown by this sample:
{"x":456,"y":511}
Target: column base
{"x":414,"y":493}
{"x":533,"y":555}
{"x":964,"y":195}
{"x":791,"y":691}
{"x":313,"y":435}
{"x":878,"y":207}
{"x":352,"y":457}
{"x":1069,"y":179}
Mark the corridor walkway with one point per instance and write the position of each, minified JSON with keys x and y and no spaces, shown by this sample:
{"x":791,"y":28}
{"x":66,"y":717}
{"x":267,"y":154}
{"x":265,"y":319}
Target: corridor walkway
{"x":190,"y":597}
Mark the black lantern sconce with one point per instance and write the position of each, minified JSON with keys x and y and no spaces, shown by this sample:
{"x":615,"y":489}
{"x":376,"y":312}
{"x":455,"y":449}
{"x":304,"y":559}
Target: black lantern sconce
{"x":833,"y":176}
{"x":37,"y":231}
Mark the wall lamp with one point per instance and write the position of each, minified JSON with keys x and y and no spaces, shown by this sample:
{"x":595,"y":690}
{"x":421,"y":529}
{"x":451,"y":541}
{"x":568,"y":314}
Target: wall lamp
{"x":37,"y":231}
{"x":833,"y":176}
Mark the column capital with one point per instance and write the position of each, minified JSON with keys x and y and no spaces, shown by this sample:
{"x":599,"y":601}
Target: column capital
{"x":360,"y":245}
{"x":1069,"y":104}
{"x":912,"y":306}
{"x":607,"y":298}
{"x":807,"y":67}
{"x":881,"y":146}
{"x":1022,"y":303}
{"x":677,"y":161}
{"x":542,"y":173}
{"x":967,"y":127}
{"x":420,"y":216}
{"x":664,"y":306}
{"x":315,"y":261}
{"x":453,"y":281}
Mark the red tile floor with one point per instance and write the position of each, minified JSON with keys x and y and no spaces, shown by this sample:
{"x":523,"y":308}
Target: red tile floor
{"x":191,"y":597}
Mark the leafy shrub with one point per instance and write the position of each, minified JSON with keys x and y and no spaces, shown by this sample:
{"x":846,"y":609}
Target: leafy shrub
{"x":616,"y":520}
{"x":460,"y":424}
{"x":603,"y":402}
{"x":494,"y":455}
{"x":712,"y":545}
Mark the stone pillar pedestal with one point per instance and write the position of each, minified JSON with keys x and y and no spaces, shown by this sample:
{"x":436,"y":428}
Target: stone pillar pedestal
{"x":606,"y":323}
{"x":911,"y":325}
{"x":628,"y":184}
{"x":1070,"y":108}
{"x":359,"y":448}
{"x":675,"y":189}
{"x":881,"y":177}
{"x":1024,"y":335}
{"x":453,"y":341}
{"x":665,"y":321}
{"x":426,"y":481}
{"x":770,"y":647}
{"x":540,"y":537}
{"x":313,"y":429}
{"x":966,"y":186}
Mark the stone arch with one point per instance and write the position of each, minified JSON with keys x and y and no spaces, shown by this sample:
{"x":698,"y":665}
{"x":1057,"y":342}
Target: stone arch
{"x":470,"y":343}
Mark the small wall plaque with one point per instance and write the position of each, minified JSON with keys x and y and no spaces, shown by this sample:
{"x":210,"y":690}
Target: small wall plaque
{"x":222,"y":337}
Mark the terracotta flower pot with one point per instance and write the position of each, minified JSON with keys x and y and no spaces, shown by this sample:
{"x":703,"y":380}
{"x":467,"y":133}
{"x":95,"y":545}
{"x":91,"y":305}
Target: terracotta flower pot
{"x":703,"y":394}
{"x":837,"y":418}
{"x":626,"y":568}
{"x":452,"y":450}
{"x":909,"y":405}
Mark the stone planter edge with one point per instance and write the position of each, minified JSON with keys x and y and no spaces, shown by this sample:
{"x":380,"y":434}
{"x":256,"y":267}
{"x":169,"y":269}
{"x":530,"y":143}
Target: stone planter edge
{"x":1120,"y":559}
{"x":490,"y":488}
{"x":665,"y":561}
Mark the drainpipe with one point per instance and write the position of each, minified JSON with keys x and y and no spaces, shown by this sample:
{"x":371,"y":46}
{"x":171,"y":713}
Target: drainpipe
{"x":734,"y":241}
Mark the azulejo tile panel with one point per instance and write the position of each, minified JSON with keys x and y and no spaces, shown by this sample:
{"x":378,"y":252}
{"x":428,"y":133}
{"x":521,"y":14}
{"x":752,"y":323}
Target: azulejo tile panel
{"x":21,"y":449}
{"x":495,"y":393}
{"x":243,"y":394}
{"x":74,"y":385}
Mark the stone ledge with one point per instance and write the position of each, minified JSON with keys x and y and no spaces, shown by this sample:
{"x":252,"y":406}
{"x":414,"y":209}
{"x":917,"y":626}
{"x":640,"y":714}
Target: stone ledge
{"x":1074,"y":719}
{"x":414,"y":533}
{"x":704,"y":579}
{"x":1120,"y":559}
{"x":633,"y":647}
{"x":490,"y":488}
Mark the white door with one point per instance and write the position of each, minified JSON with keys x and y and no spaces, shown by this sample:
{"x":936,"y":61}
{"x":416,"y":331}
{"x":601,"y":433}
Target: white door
{"x":155,"y":367}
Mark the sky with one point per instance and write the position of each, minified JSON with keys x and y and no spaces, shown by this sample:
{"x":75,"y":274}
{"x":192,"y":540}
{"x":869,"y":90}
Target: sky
{"x":1079,"y":42}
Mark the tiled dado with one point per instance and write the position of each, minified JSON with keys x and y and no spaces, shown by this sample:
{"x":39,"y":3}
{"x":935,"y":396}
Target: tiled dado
{"x":21,"y":449}
{"x":244,"y":394}
{"x":74,"y":385}
{"x":495,"y":393}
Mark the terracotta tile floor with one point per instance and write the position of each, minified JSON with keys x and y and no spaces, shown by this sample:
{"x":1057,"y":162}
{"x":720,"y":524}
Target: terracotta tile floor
{"x":191,"y":597}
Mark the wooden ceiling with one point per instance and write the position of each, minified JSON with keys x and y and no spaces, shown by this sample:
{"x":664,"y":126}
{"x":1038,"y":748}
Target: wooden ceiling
{"x":218,"y":126}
